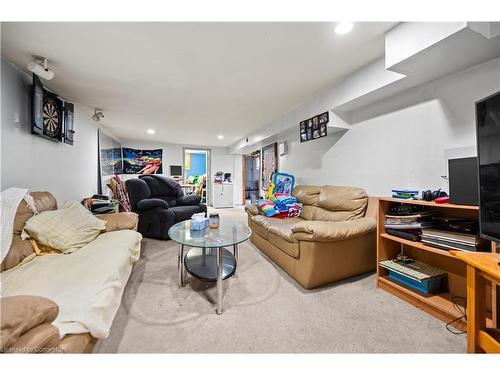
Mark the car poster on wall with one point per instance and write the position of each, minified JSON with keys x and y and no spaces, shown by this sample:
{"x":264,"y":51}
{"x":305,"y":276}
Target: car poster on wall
{"x":142,"y":161}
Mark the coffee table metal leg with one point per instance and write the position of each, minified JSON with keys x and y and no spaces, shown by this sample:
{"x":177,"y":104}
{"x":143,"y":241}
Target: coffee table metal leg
{"x":180,"y":266}
{"x":219,"y":281}
{"x":235,"y":253}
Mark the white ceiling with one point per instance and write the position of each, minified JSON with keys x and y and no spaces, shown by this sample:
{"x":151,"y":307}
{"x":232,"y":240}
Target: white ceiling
{"x":192,"y":81}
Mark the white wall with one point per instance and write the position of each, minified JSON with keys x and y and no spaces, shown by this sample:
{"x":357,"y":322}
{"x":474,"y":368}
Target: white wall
{"x":405,"y":147}
{"x":68,"y":172}
{"x":220,"y":160}
{"x":409,"y":38}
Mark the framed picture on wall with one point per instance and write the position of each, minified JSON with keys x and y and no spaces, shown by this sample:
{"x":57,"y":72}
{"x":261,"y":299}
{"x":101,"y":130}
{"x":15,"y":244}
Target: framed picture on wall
{"x":314,"y":128}
{"x":109,"y":160}
{"x":269,"y":164}
{"x":142,"y":161}
{"x":323,"y":118}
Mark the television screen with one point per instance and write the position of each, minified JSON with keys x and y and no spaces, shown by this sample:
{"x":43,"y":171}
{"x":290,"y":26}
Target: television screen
{"x":175,"y":170}
{"x":488,"y":150}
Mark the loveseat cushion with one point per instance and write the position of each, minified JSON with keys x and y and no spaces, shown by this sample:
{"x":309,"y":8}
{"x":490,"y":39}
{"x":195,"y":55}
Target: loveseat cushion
{"x":343,"y":199}
{"x":324,"y":231}
{"x":278,"y":232}
{"x":331,"y":203}
{"x":41,"y":339}
{"x":252,"y":209}
{"x":290,"y":248}
{"x":283,"y":228}
{"x":260,"y":225}
{"x":19,"y":314}
{"x":280,"y":227}
{"x":44,"y":201}
{"x":119,"y":221}
{"x":19,"y":249}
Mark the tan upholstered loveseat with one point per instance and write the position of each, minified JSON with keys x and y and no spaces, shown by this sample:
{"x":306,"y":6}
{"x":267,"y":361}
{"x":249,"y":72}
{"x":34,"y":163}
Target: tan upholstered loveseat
{"x":333,"y":239}
{"x":28,"y":320}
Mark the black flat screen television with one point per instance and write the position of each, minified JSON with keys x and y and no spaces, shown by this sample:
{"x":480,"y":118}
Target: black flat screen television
{"x":175,"y":170}
{"x":488,"y":151}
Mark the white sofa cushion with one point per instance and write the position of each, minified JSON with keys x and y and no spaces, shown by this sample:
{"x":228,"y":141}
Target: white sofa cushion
{"x":87,"y":284}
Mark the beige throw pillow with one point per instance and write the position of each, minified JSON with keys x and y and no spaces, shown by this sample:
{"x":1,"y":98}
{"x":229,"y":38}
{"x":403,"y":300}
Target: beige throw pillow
{"x":66,"y":229}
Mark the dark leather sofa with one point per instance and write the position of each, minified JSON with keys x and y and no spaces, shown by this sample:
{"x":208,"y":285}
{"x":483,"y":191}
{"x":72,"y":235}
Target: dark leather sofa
{"x":160,"y":203}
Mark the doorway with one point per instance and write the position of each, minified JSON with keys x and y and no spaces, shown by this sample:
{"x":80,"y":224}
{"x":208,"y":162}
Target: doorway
{"x":251,"y":178}
{"x":196,"y":163}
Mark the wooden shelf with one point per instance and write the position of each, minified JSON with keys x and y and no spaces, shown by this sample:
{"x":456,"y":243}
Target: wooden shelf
{"x":388,"y":246}
{"x":440,"y":303}
{"x":437,"y":303}
{"x":418,"y":245}
{"x":430,"y":204}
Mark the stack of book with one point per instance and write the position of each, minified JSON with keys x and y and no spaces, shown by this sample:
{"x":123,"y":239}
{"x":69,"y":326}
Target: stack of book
{"x":453,"y":241}
{"x":404,"y":194}
{"x":408,"y":225}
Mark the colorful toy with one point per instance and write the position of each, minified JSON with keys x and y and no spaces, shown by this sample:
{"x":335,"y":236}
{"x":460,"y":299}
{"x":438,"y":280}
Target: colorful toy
{"x":283,"y":183}
{"x":280,"y":205}
{"x":266,"y":207}
{"x":270,"y":191}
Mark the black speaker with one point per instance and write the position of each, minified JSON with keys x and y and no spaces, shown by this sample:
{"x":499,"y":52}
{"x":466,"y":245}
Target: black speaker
{"x":464,"y":181}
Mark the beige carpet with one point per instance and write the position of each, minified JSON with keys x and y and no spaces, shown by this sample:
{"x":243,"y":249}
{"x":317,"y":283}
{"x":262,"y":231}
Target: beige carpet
{"x":265,"y":311}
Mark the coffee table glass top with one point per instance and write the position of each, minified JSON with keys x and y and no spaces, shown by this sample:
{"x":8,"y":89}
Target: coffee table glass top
{"x":230,"y":232}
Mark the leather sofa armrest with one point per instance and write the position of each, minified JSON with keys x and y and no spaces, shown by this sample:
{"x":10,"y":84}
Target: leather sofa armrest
{"x":252,"y":209}
{"x":189,"y":200}
{"x":150,"y":203}
{"x":119,"y":221}
{"x":21,"y":314}
{"x":77,"y":343}
{"x":330,"y":231}
{"x":41,"y":339}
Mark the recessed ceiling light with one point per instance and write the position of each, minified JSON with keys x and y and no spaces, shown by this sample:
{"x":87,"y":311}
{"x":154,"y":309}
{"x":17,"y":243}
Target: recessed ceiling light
{"x":151,"y":131}
{"x":220,"y":136}
{"x":343,"y":27}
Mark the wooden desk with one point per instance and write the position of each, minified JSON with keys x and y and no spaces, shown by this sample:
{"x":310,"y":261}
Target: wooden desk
{"x":481,"y":268}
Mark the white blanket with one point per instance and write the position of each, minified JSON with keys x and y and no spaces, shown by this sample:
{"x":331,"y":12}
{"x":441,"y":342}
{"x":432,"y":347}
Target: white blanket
{"x":9,"y":201}
{"x":87,"y":284}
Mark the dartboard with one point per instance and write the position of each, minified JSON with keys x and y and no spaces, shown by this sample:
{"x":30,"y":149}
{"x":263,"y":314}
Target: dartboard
{"x":51,"y":118}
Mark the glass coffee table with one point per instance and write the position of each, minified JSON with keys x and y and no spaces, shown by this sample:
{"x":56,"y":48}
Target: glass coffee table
{"x":208,"y":259}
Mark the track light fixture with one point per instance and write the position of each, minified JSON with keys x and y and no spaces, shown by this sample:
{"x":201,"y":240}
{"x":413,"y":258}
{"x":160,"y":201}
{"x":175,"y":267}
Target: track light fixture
{"x":97,"y":116}
{"x":39,"y":66}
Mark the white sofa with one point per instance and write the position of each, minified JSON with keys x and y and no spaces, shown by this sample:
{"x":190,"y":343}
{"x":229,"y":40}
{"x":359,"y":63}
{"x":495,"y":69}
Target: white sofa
{"x":87,"y":284}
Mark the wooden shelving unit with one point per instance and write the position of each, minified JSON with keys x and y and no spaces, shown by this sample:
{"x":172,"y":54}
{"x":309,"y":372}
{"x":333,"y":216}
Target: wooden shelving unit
{"x":438,"y":305}
{"x":417,"y":245}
